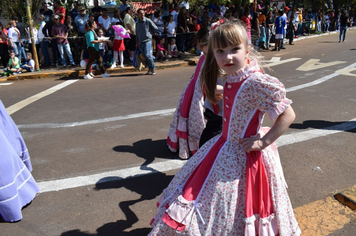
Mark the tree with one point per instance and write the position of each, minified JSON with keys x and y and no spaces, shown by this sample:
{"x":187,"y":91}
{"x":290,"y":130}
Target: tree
{"x":17,"y":8}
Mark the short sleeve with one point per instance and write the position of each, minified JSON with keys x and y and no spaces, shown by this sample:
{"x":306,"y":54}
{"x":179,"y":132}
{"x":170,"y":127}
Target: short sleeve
{"x":269,"y":95}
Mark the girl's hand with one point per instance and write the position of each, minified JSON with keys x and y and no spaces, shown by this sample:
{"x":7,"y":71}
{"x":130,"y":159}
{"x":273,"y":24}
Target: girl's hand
{"x":252,"y":144}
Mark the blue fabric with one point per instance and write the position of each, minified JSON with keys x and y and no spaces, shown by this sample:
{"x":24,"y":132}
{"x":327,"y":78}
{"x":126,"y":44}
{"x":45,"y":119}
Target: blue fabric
{"x":134,"y":62}
{"x":65,"y":47}
{"x":17,"y":186}
{"x":44,"y":48}
{"x":146,"y":51}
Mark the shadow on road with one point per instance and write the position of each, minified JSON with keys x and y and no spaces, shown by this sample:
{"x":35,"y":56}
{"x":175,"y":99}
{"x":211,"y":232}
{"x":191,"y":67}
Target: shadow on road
{"x":328,"y":41}
{"x":148,"y":149}
{"x":327,"y":125}
{"x":148,"y":187}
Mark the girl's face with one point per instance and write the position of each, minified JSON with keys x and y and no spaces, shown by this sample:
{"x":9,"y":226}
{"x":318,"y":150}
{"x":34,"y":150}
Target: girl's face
{"x":100,"y":33}
{"x":203,"y":48}
{"x":231,"y":58}
{"x":161,"y":41}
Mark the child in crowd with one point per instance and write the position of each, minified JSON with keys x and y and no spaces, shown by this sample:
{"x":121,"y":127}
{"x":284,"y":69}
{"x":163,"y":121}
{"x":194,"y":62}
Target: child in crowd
{"x":234,"y":184}
{"x":161,"y":51}
{"x":29,"y":65}
{"x":262,"y":41}
{"x":13,"y":66}
{"x":84,"y":55}
{"x":103,"y":48}
{"x":119,"y":46}
{"x":172,"y":49}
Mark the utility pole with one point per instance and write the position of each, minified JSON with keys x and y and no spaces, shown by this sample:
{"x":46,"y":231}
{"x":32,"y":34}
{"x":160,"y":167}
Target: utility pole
{"x":34,"y":50}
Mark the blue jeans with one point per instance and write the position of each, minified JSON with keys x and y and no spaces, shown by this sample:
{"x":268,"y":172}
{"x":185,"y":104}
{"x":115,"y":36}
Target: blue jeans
{"x":342,"y":33}
{"x":61,"y":49}
{"x":146,"y":49}
{"x":44,"y":48}
{"x":19,"y":51}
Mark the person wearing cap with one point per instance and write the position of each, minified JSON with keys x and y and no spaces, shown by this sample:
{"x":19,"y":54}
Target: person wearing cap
{"x":81,"y":20}
{"x":59,"y":11}
{"x":60,"y":32}
{"x":46,"y":11}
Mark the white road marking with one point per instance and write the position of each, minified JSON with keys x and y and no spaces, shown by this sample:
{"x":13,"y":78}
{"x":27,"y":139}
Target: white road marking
{"x":319,"y":81}
{"x":159,"y":112}
{"x":5,"y":84}
{"x":16,"y":107}
{"x":74,"y":182}
{"x":314,"y":64}
{"x":98,"y":121}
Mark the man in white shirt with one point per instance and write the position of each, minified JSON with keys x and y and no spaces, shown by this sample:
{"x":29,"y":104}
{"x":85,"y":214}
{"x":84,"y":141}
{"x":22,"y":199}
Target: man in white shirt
{"x":105,"y":21}
{"x":175,"y":14}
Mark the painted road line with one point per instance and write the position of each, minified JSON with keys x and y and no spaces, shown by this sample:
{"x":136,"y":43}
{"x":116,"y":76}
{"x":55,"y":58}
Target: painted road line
{"x":18,"y":106}
{"x":159,"y":112}
{"x":319,"y":81}
{"x":98,"y":121}
{"x":56,"y":185}
{"x":5,"y":84}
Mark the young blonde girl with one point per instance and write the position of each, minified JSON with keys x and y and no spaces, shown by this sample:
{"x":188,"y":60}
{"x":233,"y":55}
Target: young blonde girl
{"x":234,"y":184}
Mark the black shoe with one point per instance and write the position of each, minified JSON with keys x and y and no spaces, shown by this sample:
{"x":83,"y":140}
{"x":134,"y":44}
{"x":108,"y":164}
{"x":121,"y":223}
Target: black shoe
{"x":275,"y":49}
{"x":279,"y":49}
{"x":283,"y":48}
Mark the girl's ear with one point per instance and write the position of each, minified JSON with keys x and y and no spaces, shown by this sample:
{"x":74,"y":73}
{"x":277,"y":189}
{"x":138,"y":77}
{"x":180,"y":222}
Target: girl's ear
{"x":248,"y":50}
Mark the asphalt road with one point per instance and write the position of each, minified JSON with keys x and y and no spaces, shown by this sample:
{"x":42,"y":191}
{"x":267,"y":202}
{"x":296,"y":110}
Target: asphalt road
{"x":99,"y":155}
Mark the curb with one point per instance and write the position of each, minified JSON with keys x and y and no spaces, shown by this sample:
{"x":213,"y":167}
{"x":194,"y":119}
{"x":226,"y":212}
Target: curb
{"x":347,"y":197}
{"x":80,"y":72}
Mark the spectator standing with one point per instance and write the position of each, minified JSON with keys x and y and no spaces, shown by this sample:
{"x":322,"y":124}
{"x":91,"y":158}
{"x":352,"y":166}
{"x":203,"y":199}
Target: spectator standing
{"x":4,"y":54}
{"x":182,"y":29}
{"x":75,"y":10}
{"x":80,"y":20}
{"x":92,"y":44}
{"x":59,"y":11}
{"x":46,"y":11}
{"x":145,"y":28}
{"x":74,"y":42}
{"x":175,"y":13}
{"x":105,"y":22}
{"x":47,"y":31}
{"x":269,"y":27}
{"x":60,"y":32}
{"x":43,"y":41}
{"x":291,"y":29}
{"x":159,"y":23}
{"x":23,"y":33}
{"x":279,"y":23}
{"x":171,"y":29}
{"x":15,"y":41}
{"x":124,"y":5}
{"x":96,"y":10}
{"x":344,"y":20}
{"x":130,"y":26}
{"x":117,"y":17}
{"x":33,"y":40}
{"x":165,"y":10}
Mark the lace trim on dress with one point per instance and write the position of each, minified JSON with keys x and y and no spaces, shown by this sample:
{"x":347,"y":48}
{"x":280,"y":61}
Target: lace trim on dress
{"x":279,"y":109}
{"x":244,"y":72}
{"x":182,"y":128}
{"x":255,"y":225}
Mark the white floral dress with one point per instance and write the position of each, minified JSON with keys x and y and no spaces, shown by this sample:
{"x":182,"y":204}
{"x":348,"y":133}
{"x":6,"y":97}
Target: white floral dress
{"x":222,"y":190}
{"x":188,"y":121}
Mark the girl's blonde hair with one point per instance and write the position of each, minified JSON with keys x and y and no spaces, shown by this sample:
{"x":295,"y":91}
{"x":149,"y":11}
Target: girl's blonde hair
{"x":229,"y":33}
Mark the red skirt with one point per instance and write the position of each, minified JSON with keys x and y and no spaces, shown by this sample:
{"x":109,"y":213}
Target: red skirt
{"x":119,"y":45}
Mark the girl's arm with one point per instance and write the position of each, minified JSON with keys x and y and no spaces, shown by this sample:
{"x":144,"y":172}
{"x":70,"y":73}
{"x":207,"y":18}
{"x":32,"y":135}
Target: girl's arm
{"x":282,"y":123}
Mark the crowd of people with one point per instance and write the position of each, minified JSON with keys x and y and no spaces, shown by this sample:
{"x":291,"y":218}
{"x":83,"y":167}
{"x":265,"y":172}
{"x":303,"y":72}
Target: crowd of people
{"x":172,"y":34}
